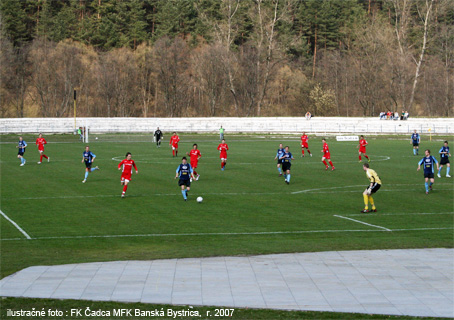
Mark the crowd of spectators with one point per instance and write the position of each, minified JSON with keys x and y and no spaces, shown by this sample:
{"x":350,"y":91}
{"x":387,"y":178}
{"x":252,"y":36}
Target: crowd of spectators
{"x":394,"y":115}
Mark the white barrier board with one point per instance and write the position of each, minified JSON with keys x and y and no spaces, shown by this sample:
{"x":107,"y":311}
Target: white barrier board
{"x":347,"y":138}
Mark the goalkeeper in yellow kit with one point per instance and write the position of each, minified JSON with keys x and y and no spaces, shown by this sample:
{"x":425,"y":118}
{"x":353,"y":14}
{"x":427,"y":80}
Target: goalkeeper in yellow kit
{"x":375,"y":184}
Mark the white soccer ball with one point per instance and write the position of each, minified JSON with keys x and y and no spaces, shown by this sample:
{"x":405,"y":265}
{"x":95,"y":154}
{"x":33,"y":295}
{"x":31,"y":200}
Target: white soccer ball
{"x":199,"y":199}
{"x":96,"y":138}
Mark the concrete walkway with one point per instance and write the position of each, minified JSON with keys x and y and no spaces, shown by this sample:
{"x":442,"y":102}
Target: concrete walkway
{"x":398,"y":282}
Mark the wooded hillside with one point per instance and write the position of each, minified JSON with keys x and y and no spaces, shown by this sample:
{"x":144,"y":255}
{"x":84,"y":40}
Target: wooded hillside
{"x":226,"y":57}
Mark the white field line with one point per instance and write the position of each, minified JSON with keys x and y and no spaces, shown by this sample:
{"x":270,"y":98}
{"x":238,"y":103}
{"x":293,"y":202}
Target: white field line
{"x":362,"y":222}
{"x":396,"y":214}
{"x":15,"y":224}
{"x":312,"y":191}
{"x":219,"y":234}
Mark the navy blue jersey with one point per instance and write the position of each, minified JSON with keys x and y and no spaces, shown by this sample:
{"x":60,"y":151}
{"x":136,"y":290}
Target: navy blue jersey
{"x":415,"y":137}
{"x":88,"y":156}
{"x":444,"y":149}
{"x":185,"y":171}
{"x":279,"y":153}
{"x":22,"y":144}
{"x":428,"y":163}
{"x":286,"y":157}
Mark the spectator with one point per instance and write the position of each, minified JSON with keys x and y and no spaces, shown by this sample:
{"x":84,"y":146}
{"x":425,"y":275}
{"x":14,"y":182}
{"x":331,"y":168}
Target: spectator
{"x":396,"y":115}
{"x":406,"y":115}
{"x":308,"y":116}
{"x":382,"y":115}
{"x":388,"y":115}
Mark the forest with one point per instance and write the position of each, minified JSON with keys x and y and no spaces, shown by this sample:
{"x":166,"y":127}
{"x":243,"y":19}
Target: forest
{"x":207,"y":58}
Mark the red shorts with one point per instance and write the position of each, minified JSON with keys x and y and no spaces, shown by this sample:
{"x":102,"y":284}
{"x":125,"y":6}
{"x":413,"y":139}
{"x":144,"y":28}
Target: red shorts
{"x":194,"y":164}
{"x":175,"y":145}
{"x":40,"y":148}
{"x":125,"y":177}
{"x":327,"y":156}
{"x":304,"y":145}
{"x":362,"y":149}
{"x":223,"y":155}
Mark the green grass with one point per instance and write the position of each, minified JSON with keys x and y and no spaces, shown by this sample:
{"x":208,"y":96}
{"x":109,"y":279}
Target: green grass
{"x":247,"y":209}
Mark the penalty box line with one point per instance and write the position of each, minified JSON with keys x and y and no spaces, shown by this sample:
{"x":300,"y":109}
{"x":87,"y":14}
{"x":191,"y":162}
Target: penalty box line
{"x":152,"y":235}
{"x":16,"y":225}
{"x":362,"y":222}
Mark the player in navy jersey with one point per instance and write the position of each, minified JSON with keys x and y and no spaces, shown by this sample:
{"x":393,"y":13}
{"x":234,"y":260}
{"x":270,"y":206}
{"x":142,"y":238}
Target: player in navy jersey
{"x":88,"y":157}
{"x":280,"y":151}
{"x":428,"y":162}
{"x":286,"y":158}
{"x":415,"y":140}
{"x":444,"y":159}
{"x":185,"y":173}
{"x":20,"y":154}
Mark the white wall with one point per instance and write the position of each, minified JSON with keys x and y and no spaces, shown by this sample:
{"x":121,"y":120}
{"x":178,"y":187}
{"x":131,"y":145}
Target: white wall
{"x":245,"y":125}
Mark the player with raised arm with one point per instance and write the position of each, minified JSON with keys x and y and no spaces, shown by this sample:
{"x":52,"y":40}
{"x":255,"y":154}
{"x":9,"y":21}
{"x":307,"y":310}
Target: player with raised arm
{"x":286,"y":158}
{"x":195,"y":155}
{"x":185,"y":173}
{"x":444,"y":160}
{"x":428,"y":163}
{"x":88,"y":157}
{"x":280,"y":151}
{"x":40,"y":142}
{"x":362,"y":148}
{"x":415,"y":140}
{"x":158,"y":137}
{"x":326,"y":155}
{"x":304,"y":145}
{"x":174,"y":139}
{"x":375,"y":184}
{"x":20,"y":153}
{"x":223,"y":147}
{"x":126,"y":167}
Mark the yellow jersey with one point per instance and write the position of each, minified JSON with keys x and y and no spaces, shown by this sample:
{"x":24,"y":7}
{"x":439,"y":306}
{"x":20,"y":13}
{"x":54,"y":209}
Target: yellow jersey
{"x":373,"y":176}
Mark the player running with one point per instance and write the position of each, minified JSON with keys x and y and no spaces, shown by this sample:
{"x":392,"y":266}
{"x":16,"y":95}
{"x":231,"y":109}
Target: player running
{"x":286,"y":158}
{"x":126,"y":166}
{"x":223,"y":147}
{"x":20,"y":153}
{"x":40,"y":142}
{"x":174,"y":139}
{"x":375,"y":184}
{"x":185,"y":173}
{"x":280,"y":151}
{"x":428,"y":162}
{"x":415,"y":140}
{"x":88,"y":157}
{"x":362,"y":148}
{"x":326,"y":155}
{"x":158,"y":136}
{"x":304,"y":145}
{"x":195,"y":156}
{"x":444,"y":160}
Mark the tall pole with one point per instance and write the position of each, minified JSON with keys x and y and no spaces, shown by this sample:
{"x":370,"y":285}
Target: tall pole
{"x":75,"y":126}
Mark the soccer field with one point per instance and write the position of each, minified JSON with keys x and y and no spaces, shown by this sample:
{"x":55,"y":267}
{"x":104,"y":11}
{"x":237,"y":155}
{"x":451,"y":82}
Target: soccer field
{"x":247,"y":209}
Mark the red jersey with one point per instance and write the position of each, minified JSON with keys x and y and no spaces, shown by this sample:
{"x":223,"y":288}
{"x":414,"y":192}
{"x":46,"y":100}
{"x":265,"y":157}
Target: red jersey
{"x":127,"y":167}
{"x":174,"y":141}
{"x":41,"y":142}
{"x":363,"y":143}
{"x":326,"y":150}
{"x":223,"y":147}
{"x":304,"y":139}
{"x":195,"y":154}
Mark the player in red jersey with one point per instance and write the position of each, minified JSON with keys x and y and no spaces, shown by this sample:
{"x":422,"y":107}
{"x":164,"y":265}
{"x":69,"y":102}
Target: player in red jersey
{"x":362,"y":148}
{"x":40,"y":142}
{"x":126,"y":166}
{"x":223,"y":147}
{"x":174,"y":139}
{"x":326,"y":155}
{"x":195,"y":156}
{"x":304,"y":145}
